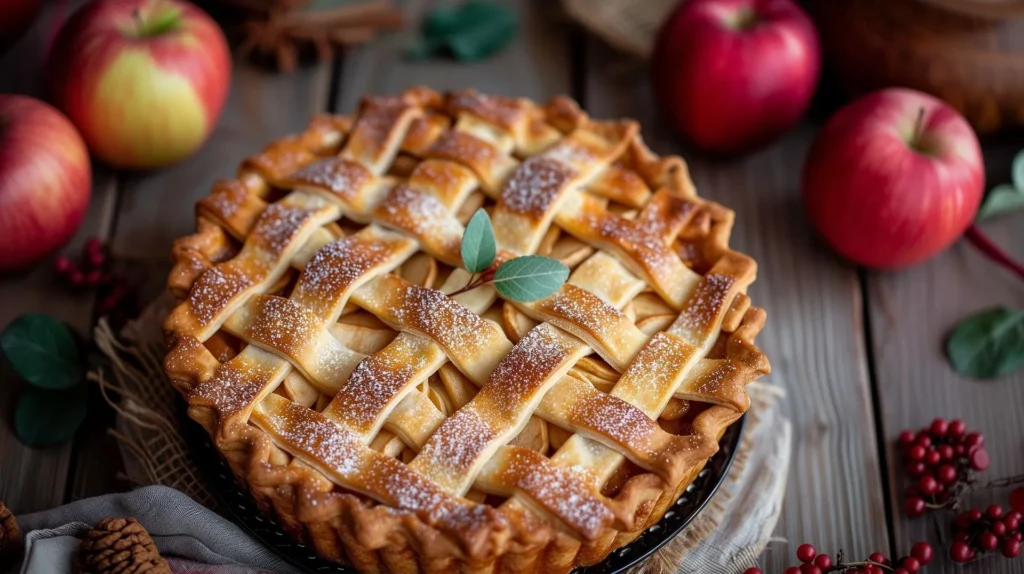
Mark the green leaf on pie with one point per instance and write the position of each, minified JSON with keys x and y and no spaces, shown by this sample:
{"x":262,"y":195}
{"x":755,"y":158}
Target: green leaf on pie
{"x":988,"y":344}
{"x":1002,"y":199}
{"x":44,"y":417}
{"x":530,"y":277}
{"x":472,"y":31}
{"x":43,"y":351}
{"x":478,"y":246}
{"x":1017,"y":171}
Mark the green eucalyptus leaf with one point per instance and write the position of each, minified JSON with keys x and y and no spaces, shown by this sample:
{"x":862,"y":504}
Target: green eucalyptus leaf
{"x":471,"y":31}
{"x":43,"y":351}
{"x":1002,"y":199}
{"x":530,"y":277}
{"x":1017,"y":171}
{"x":988,"y":344}
{"x":478,"y":246}
{"x":44,"y":417}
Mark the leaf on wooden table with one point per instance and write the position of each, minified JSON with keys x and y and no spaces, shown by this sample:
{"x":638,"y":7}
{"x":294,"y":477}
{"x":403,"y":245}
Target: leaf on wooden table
{"x":1003,"y":198}
{"x":988,"y":344}
{"x":43,"y":351}
{"x":44,"y":417}
{"x":473,"y":31}
{"x":530,"y":277}
{"x":478,"y":246}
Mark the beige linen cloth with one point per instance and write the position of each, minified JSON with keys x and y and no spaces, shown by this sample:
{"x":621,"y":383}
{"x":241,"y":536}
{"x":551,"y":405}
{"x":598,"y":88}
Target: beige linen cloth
{"x":725,"y":538}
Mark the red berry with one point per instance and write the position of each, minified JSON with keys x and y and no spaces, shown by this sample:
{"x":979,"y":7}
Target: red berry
{"x":963,"y":521}
{"x":923,"y":552}
{"x":995,"y":512}
{"x":933,"y":457}
{"x":974,"y":439}
{"x":93,"y":244}
{"x":902,"y":571}
{"x":1018,"y":536}
{"x":916,"y":452}
{"x":978,"y":459}
{"x":878,"y":558}
{"x":915,"y":469}
{"x":76,"y":278}
{"x":823,"y":561}
{"x":1012,"y":520}
{"x":753,"y":571}
{"x":914,"y":507}
{"x":939,"y":428}
{"x":923,"y":440}
{"x":906,"y":438}
{"x":975,"y":514}
{"x":960,"y":552}
{"x":946,"y":452}
{"x":1017,"y":499}
{"x":911,"y":564}
{"x":92,"y":278}
{"x":928,"y":485}
{"x":959,"y":450}
{"x":806,"y":553}
{"x":956,"y":429}
{"x":962,"y":536}
{"x":791,"y":570}
{"x":946,"y":474}
{"x":987,"y":541}
{"x":999,"y":529}
{"x":810,"y":569}
{"x":63,"y":264}
{"x":1011,"y":548}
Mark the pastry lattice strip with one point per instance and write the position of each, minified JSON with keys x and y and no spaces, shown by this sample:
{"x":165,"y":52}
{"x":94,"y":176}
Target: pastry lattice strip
{"x":492,"y":168}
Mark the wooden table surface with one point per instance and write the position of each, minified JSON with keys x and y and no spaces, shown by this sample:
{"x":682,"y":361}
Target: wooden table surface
{"x":859,"y":353}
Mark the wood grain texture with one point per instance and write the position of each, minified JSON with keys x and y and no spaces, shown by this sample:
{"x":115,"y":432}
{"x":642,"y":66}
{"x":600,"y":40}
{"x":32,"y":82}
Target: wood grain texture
{"x":912,"y":312}
{"x":535,"y":65}
{"x":34,"y":479}
{"x":814,"y":334}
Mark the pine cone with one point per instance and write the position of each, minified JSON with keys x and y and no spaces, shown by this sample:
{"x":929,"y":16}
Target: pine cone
{"x":10,"y":536}
{"x":119,"y":546}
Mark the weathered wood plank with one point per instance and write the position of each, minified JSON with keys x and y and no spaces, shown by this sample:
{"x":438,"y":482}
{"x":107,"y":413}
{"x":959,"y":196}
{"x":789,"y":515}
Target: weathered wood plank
{"x":912,"y":312}
{"x":536,"y":65}
{"x":814,"y":335}
{"x":34,"y":479}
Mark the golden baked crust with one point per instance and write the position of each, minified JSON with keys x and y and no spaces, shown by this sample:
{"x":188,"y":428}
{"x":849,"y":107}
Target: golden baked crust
{"x":398,"y":428}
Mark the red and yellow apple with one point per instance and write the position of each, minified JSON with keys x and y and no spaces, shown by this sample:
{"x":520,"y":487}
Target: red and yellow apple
{"x":45,"y":180}
{"x":731,"y":75}
{"x":143,"y":80}
{"x":893,"y":178}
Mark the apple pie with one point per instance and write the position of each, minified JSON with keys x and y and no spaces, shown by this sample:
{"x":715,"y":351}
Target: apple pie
{"x":397,"y":421}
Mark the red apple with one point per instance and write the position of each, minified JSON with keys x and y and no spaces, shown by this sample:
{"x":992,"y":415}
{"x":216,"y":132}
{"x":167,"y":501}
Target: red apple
{"x":732,"y":75}
{"x":893,"y":178}
{"x":44,"y":180}
{"x":144,"y":80}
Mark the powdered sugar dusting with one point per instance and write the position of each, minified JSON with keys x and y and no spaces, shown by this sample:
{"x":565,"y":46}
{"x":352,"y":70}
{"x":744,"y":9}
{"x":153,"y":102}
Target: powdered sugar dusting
{"x":458,"y":443}
{"x":227,"y":199}
{"x":571,"y":153}
{"x":443,"y":319}
{"x":704,"y":306}
{"x":215,"y":288}
{"x":613,"y":418}
{"x":335,"y":267}
{"x":283,"y":324}
{"x":464,"y":147}
{"x":375,"y":382}
{"x":234,"y":387}
{"x":523,"y":372}
{"x":278,"y":225}
{"x":422,"y":215}
{"x":504,"y":112}
{"x":535,"y":185}
{"x":342,"y":177}
{"x":310,"y":432}
{"x":562,"y":492}
{"x":583,"y":308}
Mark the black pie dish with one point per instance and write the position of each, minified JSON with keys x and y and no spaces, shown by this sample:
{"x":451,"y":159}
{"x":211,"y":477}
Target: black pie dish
{"x":241,"y":509}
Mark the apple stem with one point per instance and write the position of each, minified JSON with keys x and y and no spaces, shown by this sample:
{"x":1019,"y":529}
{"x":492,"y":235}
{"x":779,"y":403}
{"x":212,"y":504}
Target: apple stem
{"x":989,"y":249}
{"x":918,"y":126}
{"x":140,"y":26}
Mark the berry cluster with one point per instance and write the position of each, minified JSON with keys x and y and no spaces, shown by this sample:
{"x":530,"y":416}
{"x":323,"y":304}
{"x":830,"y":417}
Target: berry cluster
{"x":91,"y":271}
{"x":942,"y":459}
{"x":978,"y":532}
{"x":814,"y":563}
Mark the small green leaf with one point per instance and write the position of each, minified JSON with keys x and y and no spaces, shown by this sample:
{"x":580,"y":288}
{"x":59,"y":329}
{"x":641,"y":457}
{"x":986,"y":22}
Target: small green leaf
{"x":1017,"y":171}
{"x":44,"y":417}
{"x":43,"y":351}
{"x":988,"y":344}
{"x":1002,"y":199}
{"x":478,"y":247}
{"x":530,"y":277}
{"x":471,"y":31}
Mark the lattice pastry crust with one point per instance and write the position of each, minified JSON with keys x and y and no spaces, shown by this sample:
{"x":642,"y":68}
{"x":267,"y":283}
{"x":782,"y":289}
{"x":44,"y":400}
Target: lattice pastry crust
{"x":399,"y":429}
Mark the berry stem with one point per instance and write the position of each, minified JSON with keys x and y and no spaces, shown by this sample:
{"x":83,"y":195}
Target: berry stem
{"x":989,"y":249}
